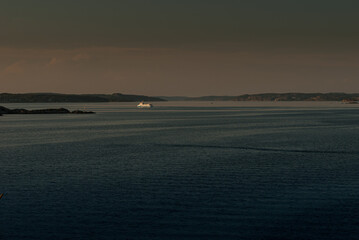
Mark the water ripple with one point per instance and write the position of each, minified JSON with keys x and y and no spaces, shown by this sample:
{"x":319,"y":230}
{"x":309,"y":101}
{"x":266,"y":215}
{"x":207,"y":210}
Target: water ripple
{"x":259,"y":149}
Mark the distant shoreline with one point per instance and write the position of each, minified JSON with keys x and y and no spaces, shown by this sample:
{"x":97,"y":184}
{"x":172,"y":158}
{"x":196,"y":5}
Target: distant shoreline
{"x":118,"y":97}
{"x":4,"y":110}
{"x":75,"y":98}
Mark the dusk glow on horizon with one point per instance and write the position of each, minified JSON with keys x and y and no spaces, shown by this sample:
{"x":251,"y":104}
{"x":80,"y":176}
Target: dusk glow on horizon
{"x":187,"y":48}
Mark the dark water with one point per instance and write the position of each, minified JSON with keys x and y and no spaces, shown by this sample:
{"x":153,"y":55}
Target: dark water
{"x":182,"y":171}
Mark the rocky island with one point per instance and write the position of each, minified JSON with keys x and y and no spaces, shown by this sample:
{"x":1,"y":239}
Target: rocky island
{"x":4,"y":110}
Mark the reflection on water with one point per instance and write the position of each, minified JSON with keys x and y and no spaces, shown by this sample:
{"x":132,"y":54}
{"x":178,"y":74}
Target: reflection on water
{"x":182,"y":170}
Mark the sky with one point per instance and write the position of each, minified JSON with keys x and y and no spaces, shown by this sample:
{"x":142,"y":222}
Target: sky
{"x":179,"y":48}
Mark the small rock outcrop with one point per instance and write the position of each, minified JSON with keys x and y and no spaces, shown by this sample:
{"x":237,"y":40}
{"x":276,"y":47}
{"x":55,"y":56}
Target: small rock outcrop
{"x":81,"y":112}
{"x":4,"y":110}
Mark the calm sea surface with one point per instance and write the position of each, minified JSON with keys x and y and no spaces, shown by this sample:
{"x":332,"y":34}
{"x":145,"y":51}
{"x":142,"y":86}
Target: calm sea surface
{"x":182,"y":170}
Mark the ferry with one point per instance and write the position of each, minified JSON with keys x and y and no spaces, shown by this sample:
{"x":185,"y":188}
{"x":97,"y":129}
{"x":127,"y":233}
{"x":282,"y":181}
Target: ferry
{"x":144,"y":105}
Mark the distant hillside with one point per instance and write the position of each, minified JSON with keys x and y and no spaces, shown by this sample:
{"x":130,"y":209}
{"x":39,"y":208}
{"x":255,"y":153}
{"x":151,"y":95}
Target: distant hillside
{"x":204,"y":98}
{"x":213,"y":98}
{"x":274,"y":97}
{"x":298,"y":97}
{"x":174,"y":98}
{"x":118,"y":97}
{"x":55,"y":97}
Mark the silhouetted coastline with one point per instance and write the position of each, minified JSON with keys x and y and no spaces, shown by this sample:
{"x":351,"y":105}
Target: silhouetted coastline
{"x":4,"y":110}
{"x":118,"y":97}
{"x":345,"y":97}
{"x":57,"y":97}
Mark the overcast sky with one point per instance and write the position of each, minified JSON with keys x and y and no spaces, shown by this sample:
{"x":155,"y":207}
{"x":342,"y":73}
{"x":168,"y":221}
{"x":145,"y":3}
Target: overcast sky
{"x":170,"y":47}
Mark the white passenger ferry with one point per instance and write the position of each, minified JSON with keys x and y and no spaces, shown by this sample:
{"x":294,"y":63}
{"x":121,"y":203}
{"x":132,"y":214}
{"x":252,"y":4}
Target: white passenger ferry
{"x":144,"y":105}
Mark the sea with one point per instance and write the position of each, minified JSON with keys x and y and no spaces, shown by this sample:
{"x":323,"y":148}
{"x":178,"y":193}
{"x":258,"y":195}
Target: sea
{"x":181,"y":170}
